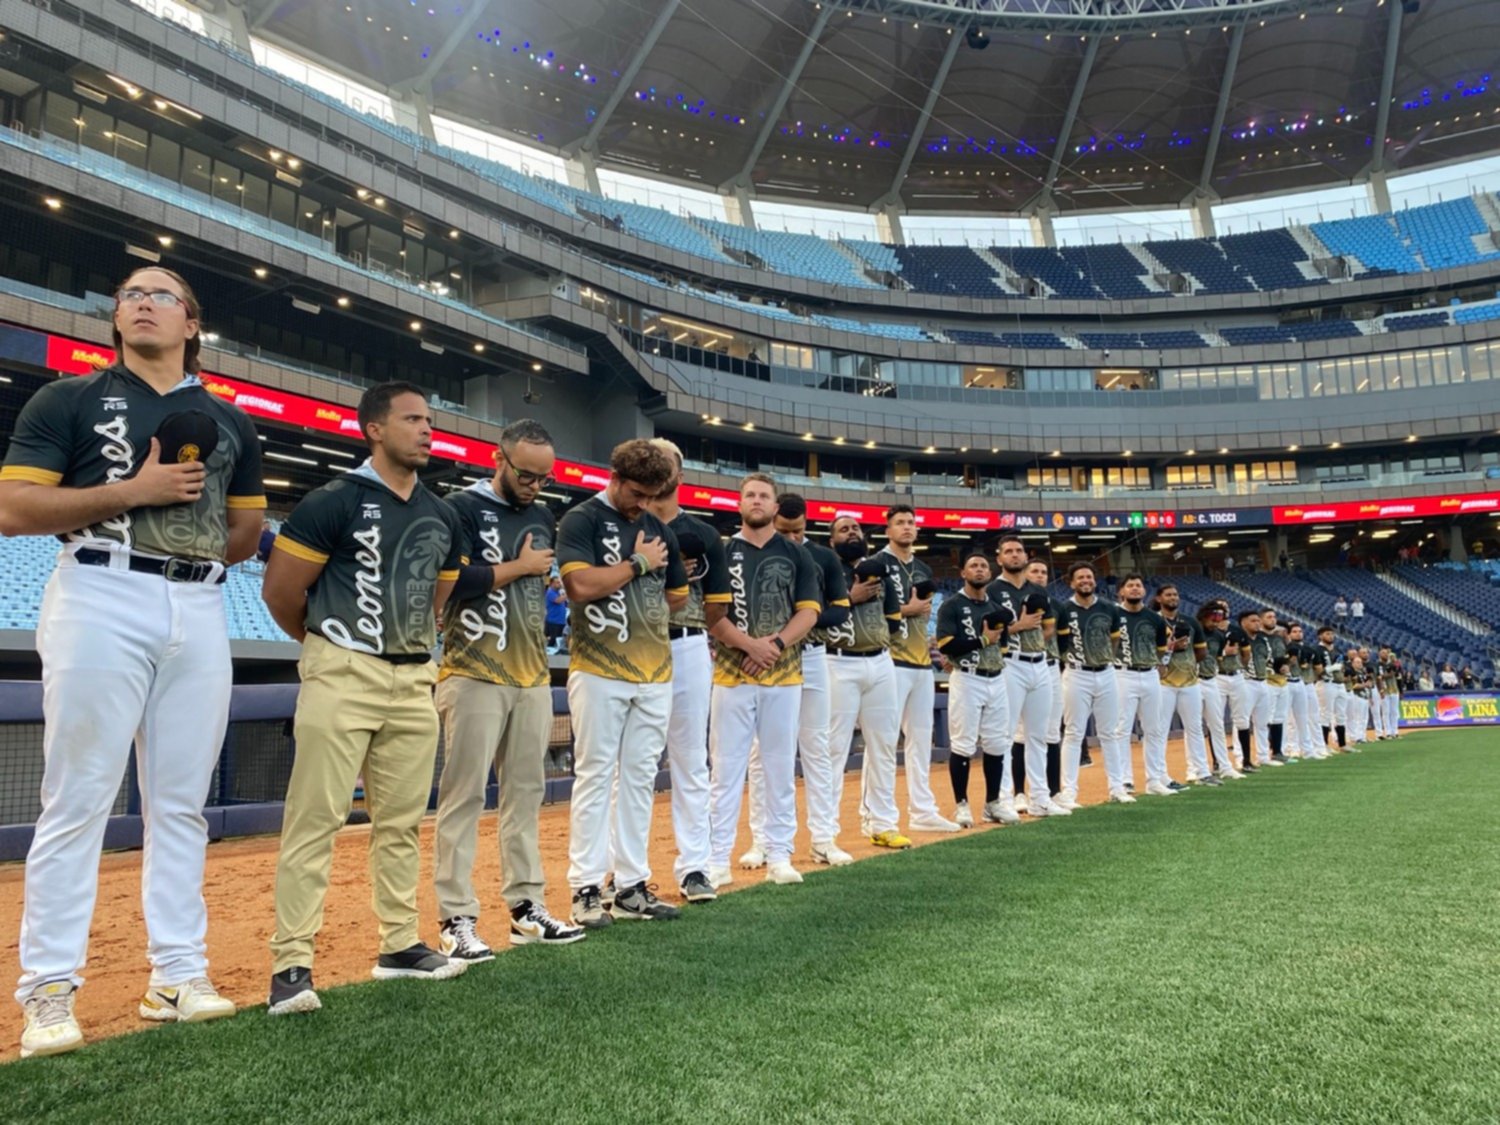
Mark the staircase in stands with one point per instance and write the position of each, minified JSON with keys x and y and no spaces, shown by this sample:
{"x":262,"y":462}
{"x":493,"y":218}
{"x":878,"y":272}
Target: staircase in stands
{"x":1464,"y":621}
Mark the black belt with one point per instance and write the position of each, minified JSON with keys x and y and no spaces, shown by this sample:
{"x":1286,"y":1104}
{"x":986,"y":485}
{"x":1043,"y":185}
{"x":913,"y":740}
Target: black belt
{"x":1257,"y":679}
{"x":981,"y":672}
{"x":173,"y":570}
{"x":1092,"y":667}
{"x":1130,"y":669}
{"x":909,"y":664}
{"x":403,"y":657}
{"x":1030,"y":657}
{"x":1206,"y":679}
{"x":861,"y":655}
{"x":677,"y":632}
{"x":1051,"y":663}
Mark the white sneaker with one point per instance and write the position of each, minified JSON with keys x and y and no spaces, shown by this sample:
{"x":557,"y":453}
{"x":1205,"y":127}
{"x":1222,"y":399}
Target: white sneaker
{"x":1159,"y":789}
{"x":1064,"y":801}
{"x":755,"y":857}
{"x":932,"y":822}
{"x":192,"y":1001}
{"x":1050,"y":807}
{"x":1021,"y":804}
{"x":720,"y":877}
{"x":1270,"y":762}
{"x":1001,"y":812}
{"x":1231,"y":774}
{"x":783,"y":873}
{"x":962,"y":816}
{"x":1120,"y":797}
{"x":826,"y":851}
{"x":457,"y":937}
{"x":51,"y":1027}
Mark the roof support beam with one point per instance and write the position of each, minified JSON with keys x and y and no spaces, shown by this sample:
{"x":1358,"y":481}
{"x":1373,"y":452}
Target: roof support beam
{"x":590,"y":141}
{"x":773,"y":115}
{"x":1221,"y":111}
{"x":441,"y":56}
{"x":934,"y":92}
{"x":267,"y":13}
{"x":1387,"y":84}
{"x":1071,"y":117}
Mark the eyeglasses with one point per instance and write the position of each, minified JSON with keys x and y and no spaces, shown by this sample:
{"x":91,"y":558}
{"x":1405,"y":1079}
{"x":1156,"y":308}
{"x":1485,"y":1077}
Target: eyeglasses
{"x":158,"y":297}
{"x":528,"y":480}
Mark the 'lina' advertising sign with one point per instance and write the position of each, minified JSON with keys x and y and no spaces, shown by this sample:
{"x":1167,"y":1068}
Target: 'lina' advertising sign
{"x":1453,"y":709}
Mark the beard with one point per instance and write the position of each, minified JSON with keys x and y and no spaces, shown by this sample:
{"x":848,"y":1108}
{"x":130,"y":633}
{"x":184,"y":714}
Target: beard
{"x":757,"y":520}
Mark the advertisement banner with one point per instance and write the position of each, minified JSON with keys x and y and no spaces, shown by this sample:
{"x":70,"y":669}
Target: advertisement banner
{"x":1451,"y":709}
{"x":1415,"y":506}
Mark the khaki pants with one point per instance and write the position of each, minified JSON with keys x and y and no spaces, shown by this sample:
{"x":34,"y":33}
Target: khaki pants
{"x":354,"y":711}
{"x":509,"y":726}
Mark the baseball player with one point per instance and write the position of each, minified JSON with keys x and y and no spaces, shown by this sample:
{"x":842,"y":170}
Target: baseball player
{"x":1233,"y":661}
{"x":1390,"y":671}
{"x":1028,"y":682}
{"x":1187,"y":647}
{"x":1040,"y":576}
{"x":862,"y":686}
{"x":971,"y":635}
{"x":915,"y":685}
{"x":359,"y":570}
{"x":757,"y":690}
{"x":1377,"y":700}
{"x":1314,"y":672}
{"x":1143,"y":646}
{"x":494,"y":696}
{"x":1356,"y":682}
{"x":1277,"y":676}
{"x":812,"y":713}
{"x":692,"y":682}
{"x":154,"y":487}
{"x":623,"y":571}
{"x":1299,"y":725}
{"x":1089,"y":635}
{"x":1212,"y":618}
{"x":1257,"y":667}
{"x":1332,"y":698}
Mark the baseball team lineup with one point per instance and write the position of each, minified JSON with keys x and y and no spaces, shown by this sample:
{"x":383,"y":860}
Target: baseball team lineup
{"x":743,"y":660}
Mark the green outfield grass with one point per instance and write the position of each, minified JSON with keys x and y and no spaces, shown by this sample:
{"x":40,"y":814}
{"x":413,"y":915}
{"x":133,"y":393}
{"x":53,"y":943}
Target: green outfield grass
{"x":1317,"y":943}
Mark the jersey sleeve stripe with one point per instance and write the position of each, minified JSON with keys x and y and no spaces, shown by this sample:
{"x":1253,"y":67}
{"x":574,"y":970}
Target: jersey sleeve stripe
{"x":809,"y":605}
{"x":678,"y":590}
{"x":839,"y":601}
{"x":245,"y":503}
{"x":570,"y":567}
{"x":447,"y":576}
{"x":298,"y":551}
{"x":718,"y":599}
{"x":30,"y":475}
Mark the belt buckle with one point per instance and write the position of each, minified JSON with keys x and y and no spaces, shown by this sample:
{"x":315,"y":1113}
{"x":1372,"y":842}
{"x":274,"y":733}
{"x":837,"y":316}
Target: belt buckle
{"x":182,"y":570}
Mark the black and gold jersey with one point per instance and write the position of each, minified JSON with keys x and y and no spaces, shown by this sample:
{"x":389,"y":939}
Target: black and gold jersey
{"x":1233,"y":663}
{"x":1333,"y":662}
{"x":909,"y":643}
{"x":1182,"y":667}
{"x":831,"y":588}
{"x":1314,"y":663}
{"x":382,"y":559}
{"x":1016,"y":599}
{"x":622,"y":636}
{"x":499,"y":637}
{"x":1055,"y":611}
{"x":767,"y":585}
{"x":97,"y":429}
{"x":1144,"y":638}
{"x":1278,"y":667}
{"x":960,"y":634}
{"x":1213,"y":649}
{"x":1390,"y":677}
{"x":1090,"y":636}
{"x":1260,"y":656}
{"x":707,"y":580}
{"x":870,"y":623}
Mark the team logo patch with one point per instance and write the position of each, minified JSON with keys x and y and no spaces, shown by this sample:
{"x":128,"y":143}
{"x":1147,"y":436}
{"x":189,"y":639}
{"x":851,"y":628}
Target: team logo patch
{"x":188,"y":452}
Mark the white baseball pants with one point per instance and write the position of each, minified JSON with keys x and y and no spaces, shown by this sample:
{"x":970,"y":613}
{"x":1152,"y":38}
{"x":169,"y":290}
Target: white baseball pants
{"x":812,"y":741}
{"x":978,"y":715}
{"x":861,"y":688}
{"x":1211,"y":696}
{"x":619,"y":732}
{"x":1187,"y":704}
{"x":687,"y":752}
{"x":1088,"y":694}
{"x":741,"y":715}
{"x":1377,"y":711}
{"x":1140,"y":693}
{"x":1392,"y":713}
{"x":1261,"y":706}
{"x":125,"y":656}
{"x":1028,"y":689}
{"x":915,"y":693}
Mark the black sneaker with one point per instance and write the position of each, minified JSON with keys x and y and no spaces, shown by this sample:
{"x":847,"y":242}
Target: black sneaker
{"x":1086,"y":759}
{"x":1130,"y":787}
{"x":530,"y":923}
{"x":419,"y":962}
{"x":588,"y":909}
{"x":1210,"y":781}
{"x":1248,"y":768}
{"x":292,"y":992}
{"x":1279,"y":757}
{"x":1176,"y":786}
{"x":638,"y":903}
{"x":696,"y":887}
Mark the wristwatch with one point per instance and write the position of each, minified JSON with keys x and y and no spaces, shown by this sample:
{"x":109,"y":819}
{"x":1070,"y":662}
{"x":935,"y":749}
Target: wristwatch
{"x":779,"y":643}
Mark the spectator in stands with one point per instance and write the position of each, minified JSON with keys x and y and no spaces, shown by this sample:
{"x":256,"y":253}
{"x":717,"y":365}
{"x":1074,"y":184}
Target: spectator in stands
{"x":1282,"y":562}
{"x":1448,"y":678}
{"x":557,"y":614}
{"x":1228,"y":564}
{"x":1356,"y":608}
{"x":1466,"y":677}
{"x":267,"y":540}
{"x":1341,"y":608}
{"x":1424,"y":679}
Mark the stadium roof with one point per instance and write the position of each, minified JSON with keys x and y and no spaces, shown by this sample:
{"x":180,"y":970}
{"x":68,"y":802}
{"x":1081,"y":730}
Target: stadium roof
{"x":1093,"y":104}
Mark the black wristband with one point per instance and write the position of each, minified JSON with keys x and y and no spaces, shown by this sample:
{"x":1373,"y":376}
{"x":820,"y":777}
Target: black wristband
{"x":779,"y":643}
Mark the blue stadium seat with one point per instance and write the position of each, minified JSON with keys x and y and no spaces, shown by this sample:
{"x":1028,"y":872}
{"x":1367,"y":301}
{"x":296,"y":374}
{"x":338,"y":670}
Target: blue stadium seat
{"x":1204,"y":261}
{"x":948,"y":271}
{"x":1051,"y":268}
{"x":1270,"y":258}
{"x":1445,"y":233}
{"x":1372,"y":239}
{"x":1112,"y":269}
